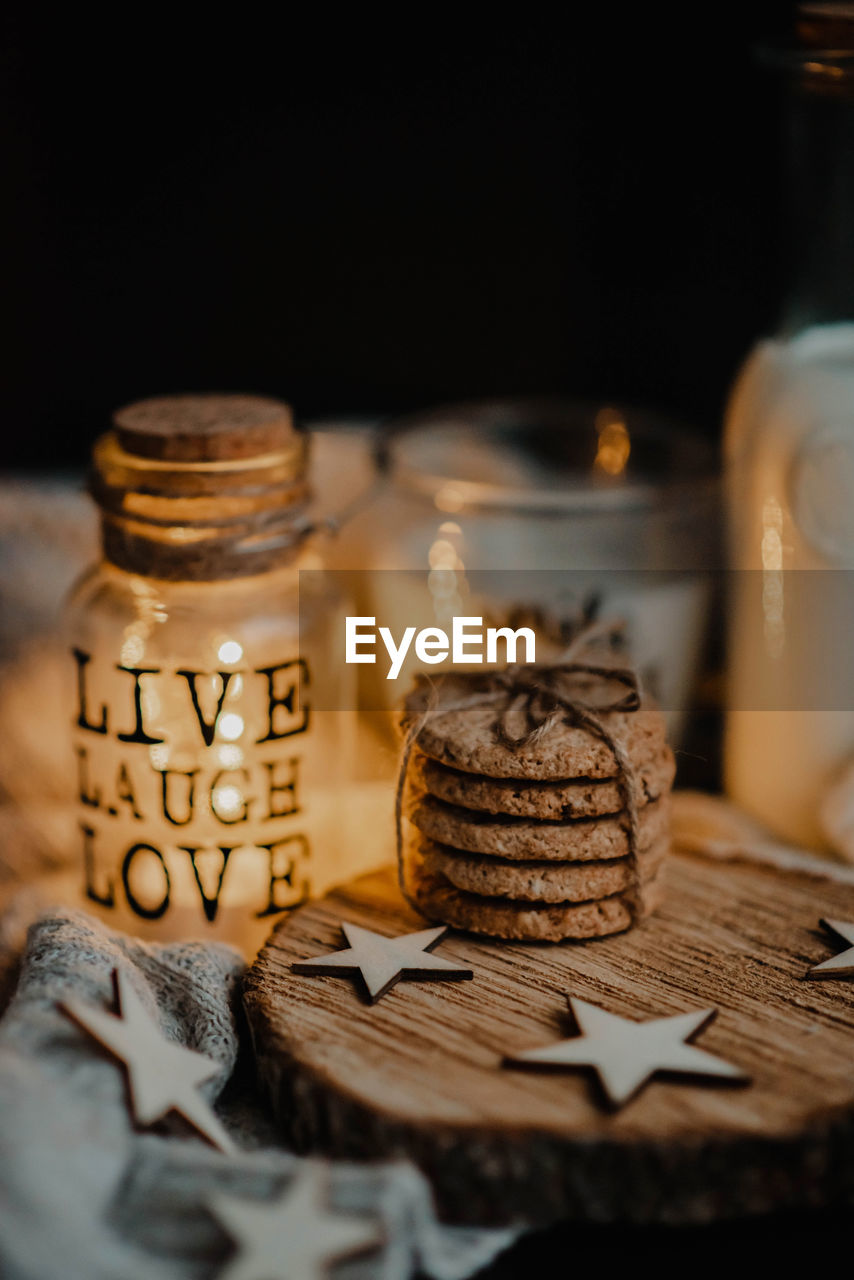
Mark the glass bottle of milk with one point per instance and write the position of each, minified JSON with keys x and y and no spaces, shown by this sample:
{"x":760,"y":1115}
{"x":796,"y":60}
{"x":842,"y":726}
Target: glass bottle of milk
{"x":789,"y":455}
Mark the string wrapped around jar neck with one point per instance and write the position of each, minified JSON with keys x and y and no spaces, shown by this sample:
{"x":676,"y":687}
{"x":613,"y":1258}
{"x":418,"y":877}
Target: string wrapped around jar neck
{"x":202,"y":487}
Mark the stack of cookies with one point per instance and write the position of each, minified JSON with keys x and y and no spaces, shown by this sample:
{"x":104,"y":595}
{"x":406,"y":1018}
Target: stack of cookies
{"x":534,"y":840}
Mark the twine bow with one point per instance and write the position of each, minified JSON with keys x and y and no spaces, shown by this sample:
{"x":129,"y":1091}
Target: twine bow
{"x":540,"y":697}
{"x":529,"y":701}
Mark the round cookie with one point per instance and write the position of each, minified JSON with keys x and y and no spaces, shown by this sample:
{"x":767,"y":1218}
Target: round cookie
{"x":538,"y":881}
{"x":464,"y":739}
{"x":573,"y":798}
{"x":579,"y":840}
{"x":524,"y":922}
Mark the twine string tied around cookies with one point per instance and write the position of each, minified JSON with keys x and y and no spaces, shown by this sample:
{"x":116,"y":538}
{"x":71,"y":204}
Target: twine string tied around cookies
{"x":529,"y":701}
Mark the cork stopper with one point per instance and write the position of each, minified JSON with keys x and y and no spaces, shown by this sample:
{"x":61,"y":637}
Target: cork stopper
{"x":201,"y":487}
{"x":204,"y":428}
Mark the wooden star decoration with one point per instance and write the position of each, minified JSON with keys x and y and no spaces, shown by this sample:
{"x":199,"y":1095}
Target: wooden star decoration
{"x":841,"y":966}
{"x":296,"y":1235}
{"x":381,"y":962}
{"x":163,"y":1077}
{"x":625,"y":1055}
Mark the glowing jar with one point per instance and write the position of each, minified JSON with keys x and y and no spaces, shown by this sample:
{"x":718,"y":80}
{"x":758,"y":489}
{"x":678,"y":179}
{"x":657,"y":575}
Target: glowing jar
{"x":206,"y":782}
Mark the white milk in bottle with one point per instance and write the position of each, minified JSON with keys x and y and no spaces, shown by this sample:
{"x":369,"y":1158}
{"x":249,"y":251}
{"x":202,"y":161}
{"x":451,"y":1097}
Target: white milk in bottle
{"x":789,"y":456}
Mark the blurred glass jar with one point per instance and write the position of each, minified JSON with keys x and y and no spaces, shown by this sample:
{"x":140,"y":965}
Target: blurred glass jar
{"x":207,"y":783}
{"x":552,"y":510}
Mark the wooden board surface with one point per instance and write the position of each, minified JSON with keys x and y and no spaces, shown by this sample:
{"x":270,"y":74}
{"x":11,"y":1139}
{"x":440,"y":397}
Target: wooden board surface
{"x":420,"y":1073}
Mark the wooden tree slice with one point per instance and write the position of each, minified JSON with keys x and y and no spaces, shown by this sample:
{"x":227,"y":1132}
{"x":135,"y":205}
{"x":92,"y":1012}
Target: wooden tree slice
{"x":419,"y":1075}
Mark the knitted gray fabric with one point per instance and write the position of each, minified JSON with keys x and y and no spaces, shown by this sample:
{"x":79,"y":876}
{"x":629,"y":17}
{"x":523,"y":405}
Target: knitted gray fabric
{"x":84,"y":1195}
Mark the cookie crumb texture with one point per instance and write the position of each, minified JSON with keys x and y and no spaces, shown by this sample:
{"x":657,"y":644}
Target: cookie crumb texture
{"x":549,"y":882}
{"x":521,"y":921}
{"x":464,"y":739}
{"x":585,"y":839}
{"x":565,"y":799}
{"x":535,"y":842}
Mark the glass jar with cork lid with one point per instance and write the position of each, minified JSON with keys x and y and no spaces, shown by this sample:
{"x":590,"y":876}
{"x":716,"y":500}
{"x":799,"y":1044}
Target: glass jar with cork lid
{"x":207,"y":783}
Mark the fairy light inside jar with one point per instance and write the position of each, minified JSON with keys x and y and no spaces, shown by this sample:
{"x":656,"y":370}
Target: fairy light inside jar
{"x":614,"y":443}
{"x":204,"y":782}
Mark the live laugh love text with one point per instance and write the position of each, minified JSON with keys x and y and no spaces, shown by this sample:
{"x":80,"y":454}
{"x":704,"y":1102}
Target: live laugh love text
{"x":189,"y":785}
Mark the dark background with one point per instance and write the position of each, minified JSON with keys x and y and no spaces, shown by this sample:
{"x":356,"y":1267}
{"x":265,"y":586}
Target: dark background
{"x":374,"y":218}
